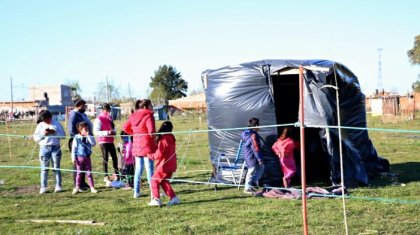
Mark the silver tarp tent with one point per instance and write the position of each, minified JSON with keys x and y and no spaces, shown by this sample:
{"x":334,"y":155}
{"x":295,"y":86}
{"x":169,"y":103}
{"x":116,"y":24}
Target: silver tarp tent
{"x":269,"y":90}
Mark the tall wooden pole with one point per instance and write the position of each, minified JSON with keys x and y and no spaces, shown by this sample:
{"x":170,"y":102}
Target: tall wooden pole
{"x":302,"y":151}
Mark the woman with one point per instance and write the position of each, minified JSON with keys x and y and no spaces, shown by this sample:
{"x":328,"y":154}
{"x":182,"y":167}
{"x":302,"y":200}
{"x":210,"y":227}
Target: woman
{"x":141,"y":124}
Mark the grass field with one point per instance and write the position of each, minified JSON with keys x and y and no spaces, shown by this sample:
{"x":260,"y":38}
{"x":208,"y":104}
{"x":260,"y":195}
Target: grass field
{"x":387,"y":206}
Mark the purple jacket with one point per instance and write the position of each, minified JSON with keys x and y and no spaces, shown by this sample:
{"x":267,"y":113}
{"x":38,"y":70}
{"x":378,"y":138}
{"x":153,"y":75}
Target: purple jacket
{"x":252,"y":147}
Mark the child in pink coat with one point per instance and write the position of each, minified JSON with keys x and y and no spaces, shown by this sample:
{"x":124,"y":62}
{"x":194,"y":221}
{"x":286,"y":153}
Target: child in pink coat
{"x":284,"y":148}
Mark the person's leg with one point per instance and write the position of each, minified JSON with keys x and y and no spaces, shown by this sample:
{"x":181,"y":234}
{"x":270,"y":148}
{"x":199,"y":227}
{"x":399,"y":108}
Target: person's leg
{"x":79,"y":169}
{"x":130,"y":175}
{"x":104,"y":159}
{"x":149,"y":170}
{"x":249,"y":177}
{"x":137,"y":175}
{"x":113,"y":152}
{"x":88,"y":168}
{"x":166,"y":186}
{"x":56,"y":159}
{"x":44,"y":159}
{"x":155,"y":185}
{"x":259,"y":171}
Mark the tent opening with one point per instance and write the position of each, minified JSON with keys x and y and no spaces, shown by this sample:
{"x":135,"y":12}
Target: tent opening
{"x":286,"y":99}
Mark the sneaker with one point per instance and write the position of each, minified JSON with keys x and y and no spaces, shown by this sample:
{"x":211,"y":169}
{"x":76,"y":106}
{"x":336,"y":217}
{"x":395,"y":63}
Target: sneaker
{"x":173,"y":201}
{"x":154,"y":202}
{"x":136,"y":195}
{"x":93,"y":190}
{"x":249,"y":191}
{"x":42,"y":190}
{"x":127,"y":187}
{"x":75,"y":191}
{"x":57,"y":189}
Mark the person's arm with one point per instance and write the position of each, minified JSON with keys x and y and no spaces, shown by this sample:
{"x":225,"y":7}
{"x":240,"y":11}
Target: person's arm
{"x":39,"y":133}
{"x":91,"y":140}
{"x":73,"y":149}
{"x":72,"y":124}
{"x":127,"y":128}
{"x":151,"y":127}
{"x":276,"y":149}
{"x":256,"y":148}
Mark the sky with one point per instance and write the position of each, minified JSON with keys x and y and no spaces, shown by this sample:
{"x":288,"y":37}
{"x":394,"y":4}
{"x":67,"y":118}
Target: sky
{"x":52,"y":42}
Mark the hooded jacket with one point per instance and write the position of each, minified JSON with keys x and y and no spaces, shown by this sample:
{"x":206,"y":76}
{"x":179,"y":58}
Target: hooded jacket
{"x":141,"y":124}
{"x":251,"y":147}
{"x":165,"y":155}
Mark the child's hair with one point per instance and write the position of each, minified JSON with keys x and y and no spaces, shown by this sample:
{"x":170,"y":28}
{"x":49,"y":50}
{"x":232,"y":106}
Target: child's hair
{"x":165,"y":128}
{"x":286,"y":133}
{"x":43,"y":115}
{"x":125,"y":137}
{"x":106,"y":106}
{"x":82,"y":125}
{"x":143,"y":104}
{"x":253,"y":122}
{"x":137,"y":105}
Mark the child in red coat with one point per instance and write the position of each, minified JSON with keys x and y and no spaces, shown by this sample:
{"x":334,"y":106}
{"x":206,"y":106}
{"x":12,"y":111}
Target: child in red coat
{"x":165,"y":165}
{"x":284,"y":148}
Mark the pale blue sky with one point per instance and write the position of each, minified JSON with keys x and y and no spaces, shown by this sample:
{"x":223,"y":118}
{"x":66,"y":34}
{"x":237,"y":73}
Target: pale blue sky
{"x":49,"y":42}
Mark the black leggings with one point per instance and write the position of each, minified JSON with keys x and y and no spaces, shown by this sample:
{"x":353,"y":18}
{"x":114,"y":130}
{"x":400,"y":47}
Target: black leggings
{"x":109,"y":149}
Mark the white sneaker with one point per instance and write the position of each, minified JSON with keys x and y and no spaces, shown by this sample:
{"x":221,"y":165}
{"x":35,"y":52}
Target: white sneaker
{"x":173,"y":201}
{"x":75,"y":191}
{"x":154,"y":202}
{"x":42,"y":190}
{"x":136,"y":195}
{"x":57,"y":189}
{"x":93,"y":190}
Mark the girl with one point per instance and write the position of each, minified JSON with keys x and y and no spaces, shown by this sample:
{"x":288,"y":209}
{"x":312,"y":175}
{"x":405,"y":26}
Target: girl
{"x":80,"y":154}
{"x":48,"y":133}
{"x":128,"y":159}
{"x":141,"y":124}
{"x":284,"y":148}
{"x":165,"y":159}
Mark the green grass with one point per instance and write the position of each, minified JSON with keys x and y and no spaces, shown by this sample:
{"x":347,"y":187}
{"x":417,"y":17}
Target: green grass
{"x":204,"y":210}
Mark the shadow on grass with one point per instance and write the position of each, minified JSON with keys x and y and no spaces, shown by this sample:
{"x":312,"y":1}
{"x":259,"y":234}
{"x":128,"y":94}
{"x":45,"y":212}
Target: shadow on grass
{"x":406,"y":172}
{"x":217,"y":199}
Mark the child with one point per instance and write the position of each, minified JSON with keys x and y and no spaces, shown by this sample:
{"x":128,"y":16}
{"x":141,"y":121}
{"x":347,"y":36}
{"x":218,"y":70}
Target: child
{"x":48,"y":133}
{"x":284,"y":147}
{"x":80,"y":154}
{"x":253,"y":155}
{"x":165,"y":159}
{"x":128,"y":159}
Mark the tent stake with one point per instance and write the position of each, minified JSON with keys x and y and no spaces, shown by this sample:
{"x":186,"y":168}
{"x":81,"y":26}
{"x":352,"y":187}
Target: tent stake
{"x":302,"y":152}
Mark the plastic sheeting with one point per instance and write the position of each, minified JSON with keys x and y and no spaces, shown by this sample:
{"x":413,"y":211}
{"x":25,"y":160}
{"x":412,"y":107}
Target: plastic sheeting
{"x":236,"y":93}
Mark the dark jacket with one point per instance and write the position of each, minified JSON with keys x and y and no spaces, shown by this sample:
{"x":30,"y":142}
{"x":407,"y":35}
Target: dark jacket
{"x":251,"y":146}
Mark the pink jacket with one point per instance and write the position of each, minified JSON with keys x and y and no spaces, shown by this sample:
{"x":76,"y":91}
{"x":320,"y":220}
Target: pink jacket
{"x":101,"y":127}
{"x":284,"y":148}
{"x":165,"y":156}
{"x":141,"y":124}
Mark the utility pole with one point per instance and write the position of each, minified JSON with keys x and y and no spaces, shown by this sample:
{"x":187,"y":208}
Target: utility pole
{"x":11,"y":93}
{"x":379,"y":85}
{"x":107,"y":92}
{"x":129,"y":91}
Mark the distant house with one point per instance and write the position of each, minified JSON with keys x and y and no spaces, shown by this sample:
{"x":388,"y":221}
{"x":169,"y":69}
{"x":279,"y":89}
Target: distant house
{"x":192,"y":102}
{"x":56,"y":94}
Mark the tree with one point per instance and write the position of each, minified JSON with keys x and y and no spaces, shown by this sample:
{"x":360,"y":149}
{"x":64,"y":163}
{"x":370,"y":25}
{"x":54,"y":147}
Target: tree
{"x":167,"y":84}
{"x":414,"y":53}
{"x":107,"y":92}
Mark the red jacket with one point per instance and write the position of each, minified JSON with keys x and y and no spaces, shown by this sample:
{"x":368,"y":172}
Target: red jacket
{"x":141,"y":124}
{"x":165,"y":156}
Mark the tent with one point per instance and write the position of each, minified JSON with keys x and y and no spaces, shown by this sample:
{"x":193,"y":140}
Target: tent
{"x":269,"y":90}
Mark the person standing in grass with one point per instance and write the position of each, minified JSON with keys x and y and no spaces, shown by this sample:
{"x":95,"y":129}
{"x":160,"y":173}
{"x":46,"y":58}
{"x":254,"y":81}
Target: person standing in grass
{"x":104,"y":129}
{"x":126,"y":151}
{"x":284,"y":148}
{"x":165,"y":160}
{"x":141,"y":124}
{"x":253,"y":155}
{"x":48,"y":133}
{"x":80,"y":154}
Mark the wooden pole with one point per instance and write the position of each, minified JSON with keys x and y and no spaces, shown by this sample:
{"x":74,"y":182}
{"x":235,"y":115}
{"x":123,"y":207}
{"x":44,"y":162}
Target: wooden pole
{"x":302,"y":152}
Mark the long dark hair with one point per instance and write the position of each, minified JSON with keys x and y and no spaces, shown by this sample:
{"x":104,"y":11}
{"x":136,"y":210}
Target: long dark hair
{"x":43,"y":115}
{"x":164,"y":129}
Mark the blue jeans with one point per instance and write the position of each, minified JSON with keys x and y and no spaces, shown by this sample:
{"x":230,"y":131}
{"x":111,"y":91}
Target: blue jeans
{"x":253,"y":174}
{"x":49,"y":154}
{"x":142,"y":162}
